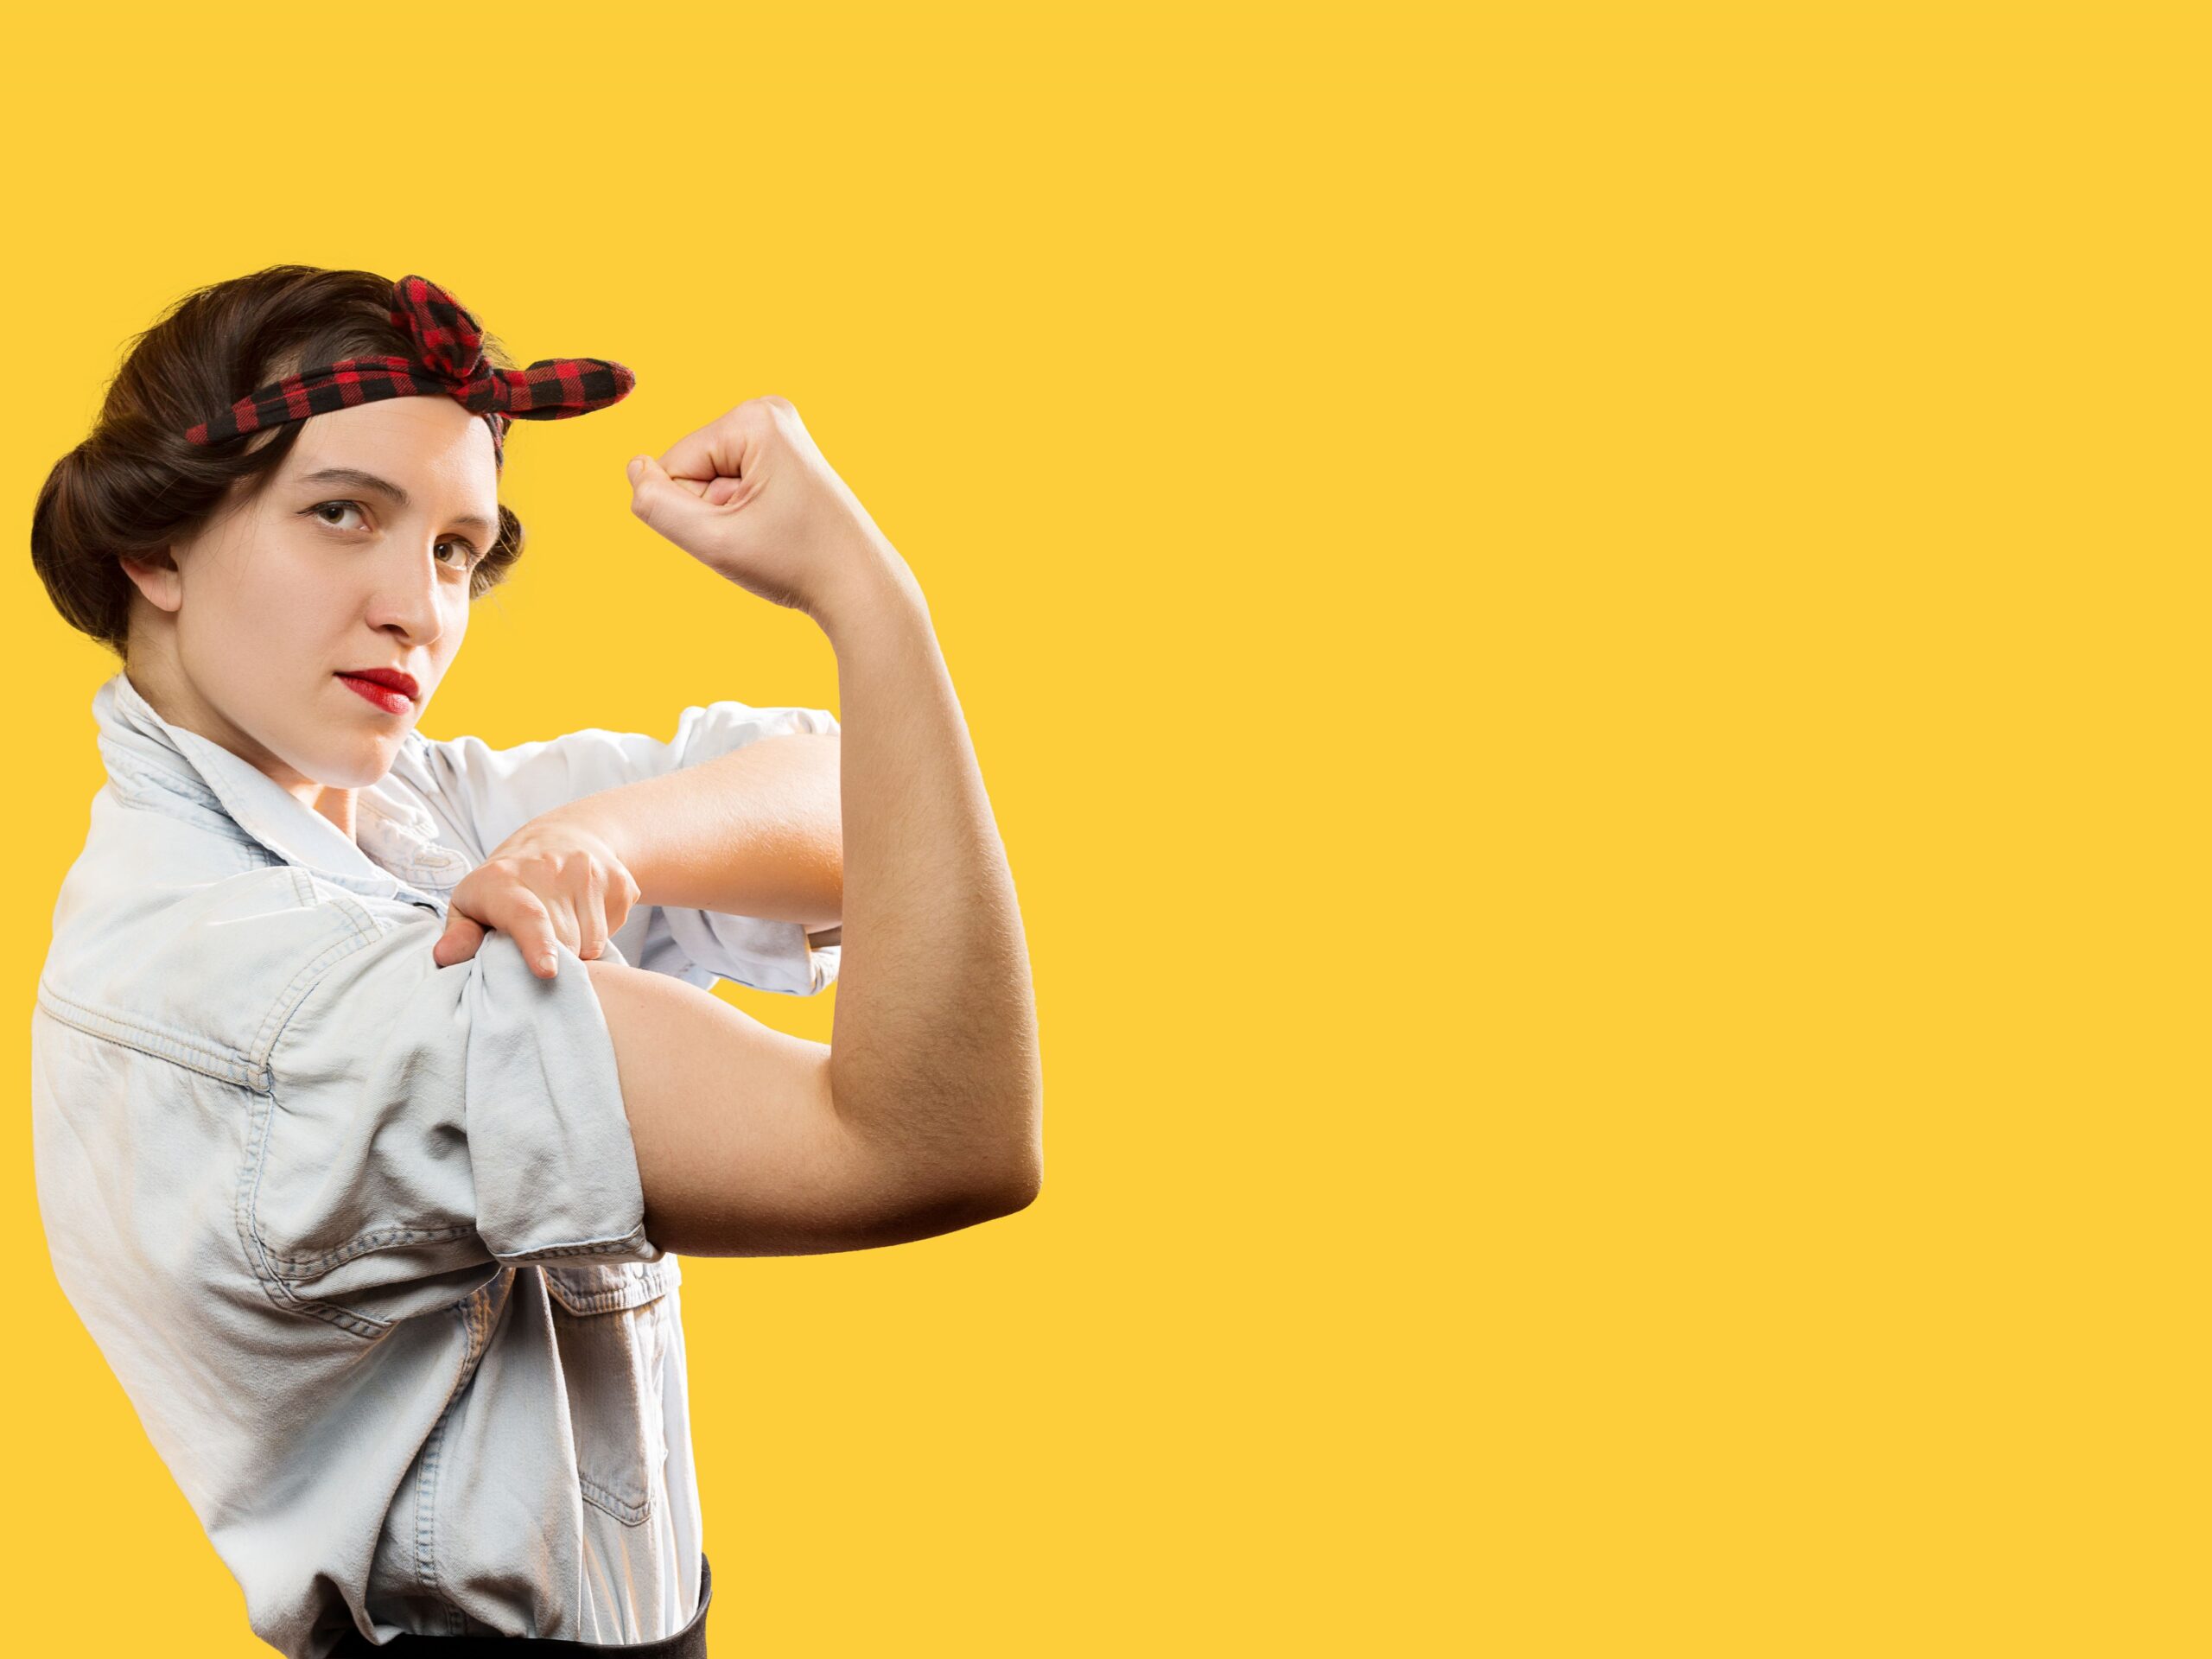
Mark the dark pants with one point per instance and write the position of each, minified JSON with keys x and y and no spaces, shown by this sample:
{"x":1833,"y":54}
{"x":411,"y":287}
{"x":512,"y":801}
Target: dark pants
{"x":690,"y":1642}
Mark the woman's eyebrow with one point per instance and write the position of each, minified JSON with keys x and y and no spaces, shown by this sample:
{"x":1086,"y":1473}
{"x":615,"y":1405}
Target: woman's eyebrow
{"x":361,"y":481}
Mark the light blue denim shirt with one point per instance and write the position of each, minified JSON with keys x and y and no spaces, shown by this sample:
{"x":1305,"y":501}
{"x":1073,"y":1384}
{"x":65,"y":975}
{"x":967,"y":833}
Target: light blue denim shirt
{"x":361,"y":1236}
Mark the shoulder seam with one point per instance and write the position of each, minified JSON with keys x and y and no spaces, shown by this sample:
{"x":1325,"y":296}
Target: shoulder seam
{"x":364,"y":932}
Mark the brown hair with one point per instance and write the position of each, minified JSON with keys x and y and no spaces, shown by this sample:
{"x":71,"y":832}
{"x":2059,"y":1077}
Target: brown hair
{"x":136,"y":485}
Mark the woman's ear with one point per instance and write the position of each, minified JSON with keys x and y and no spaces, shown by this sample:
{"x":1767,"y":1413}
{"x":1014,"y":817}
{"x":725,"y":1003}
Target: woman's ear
{"x":162,"y":583}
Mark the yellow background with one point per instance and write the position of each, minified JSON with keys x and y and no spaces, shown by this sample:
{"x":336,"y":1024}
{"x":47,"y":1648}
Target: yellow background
{"x":1582,"y":622}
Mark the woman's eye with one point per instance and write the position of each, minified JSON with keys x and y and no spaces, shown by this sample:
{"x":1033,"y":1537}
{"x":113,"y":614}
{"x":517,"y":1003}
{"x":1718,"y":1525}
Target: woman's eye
{"x":467,"y":559}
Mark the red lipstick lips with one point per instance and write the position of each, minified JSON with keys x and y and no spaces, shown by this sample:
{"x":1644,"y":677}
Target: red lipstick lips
{"x":392,"y":690}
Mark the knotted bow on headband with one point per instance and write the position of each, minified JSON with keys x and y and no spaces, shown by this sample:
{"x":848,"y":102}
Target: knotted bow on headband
{"x":449,"y":344}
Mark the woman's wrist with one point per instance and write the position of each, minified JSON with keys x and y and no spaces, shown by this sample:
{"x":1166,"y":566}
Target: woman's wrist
{"x":874,"y":579}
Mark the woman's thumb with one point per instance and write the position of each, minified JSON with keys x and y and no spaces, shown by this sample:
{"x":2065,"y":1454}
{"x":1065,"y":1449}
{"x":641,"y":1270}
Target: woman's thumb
{"x":656,"y":498}
{"x":459,"y":942}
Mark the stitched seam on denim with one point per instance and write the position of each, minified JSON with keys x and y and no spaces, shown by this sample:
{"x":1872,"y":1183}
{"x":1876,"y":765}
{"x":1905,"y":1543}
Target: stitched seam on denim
{"x":256,"y":1252}
{"x":475,"y":1316}
{"x":288,"y":1000}
{"x":633,"y":1291}
{"x":368,"y":928}
{"x":615,"y":1503}
{"x":162,"y":1043}
{"x":630,"y":1514}
{"x":146,"y":1028}
{"x":629,"y":1240}
{"x":426,"y":1485}
{"x":152,"y":792}
{"x":308,"y":1267}
{"x":146,"y":778}
{"x":641,"y":1290}
{"x":281,"y":1267}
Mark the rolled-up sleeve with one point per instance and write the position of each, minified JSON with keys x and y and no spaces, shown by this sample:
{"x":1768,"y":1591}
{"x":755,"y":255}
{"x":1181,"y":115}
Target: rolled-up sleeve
{"x":488,"y":794}
{"x":424,"y":1120}
{"x":766,"y":955}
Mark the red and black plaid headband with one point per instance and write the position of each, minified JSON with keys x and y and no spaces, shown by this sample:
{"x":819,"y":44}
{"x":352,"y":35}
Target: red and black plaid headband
{"x":450,"y":346}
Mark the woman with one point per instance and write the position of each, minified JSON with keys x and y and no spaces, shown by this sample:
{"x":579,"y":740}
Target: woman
{"x":362,"y":1149}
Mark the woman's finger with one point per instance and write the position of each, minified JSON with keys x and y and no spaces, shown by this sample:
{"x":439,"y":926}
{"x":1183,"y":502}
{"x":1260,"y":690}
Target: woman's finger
{"x":591,"y":917}
{"x":715,"y":450}
{"x":536,"y":930}
{"x":459,"y":942}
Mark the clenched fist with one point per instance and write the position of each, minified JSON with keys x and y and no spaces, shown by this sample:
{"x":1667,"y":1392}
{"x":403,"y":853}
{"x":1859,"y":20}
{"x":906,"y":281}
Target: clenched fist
{"x":750,"y":497}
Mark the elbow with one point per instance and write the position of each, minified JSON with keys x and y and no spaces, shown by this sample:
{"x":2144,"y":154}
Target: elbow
{"x":1024,"y":1177}
{"x":1009,"y":1179}
{"x":992,"y":1202}
{"x":1012,"y":1193}
{"x":938,"y":1183}
{"x":954,"y":1205}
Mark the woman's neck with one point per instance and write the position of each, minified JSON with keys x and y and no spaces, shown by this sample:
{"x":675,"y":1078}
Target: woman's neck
{"x":172,"y":697}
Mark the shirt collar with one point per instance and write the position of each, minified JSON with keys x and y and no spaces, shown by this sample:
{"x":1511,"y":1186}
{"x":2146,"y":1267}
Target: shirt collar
{"x":136,"y":742}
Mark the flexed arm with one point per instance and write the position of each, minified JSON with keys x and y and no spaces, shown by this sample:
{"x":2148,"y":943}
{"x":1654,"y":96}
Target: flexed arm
{"x":924,"y":1112}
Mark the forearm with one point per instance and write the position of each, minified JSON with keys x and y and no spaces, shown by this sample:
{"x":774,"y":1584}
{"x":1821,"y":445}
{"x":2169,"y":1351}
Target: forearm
{"x":755,"y":832}
{"x":933,"y":1049}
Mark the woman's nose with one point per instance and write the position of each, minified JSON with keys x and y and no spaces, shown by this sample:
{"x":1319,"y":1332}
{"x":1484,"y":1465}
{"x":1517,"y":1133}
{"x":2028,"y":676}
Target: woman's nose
{"x":407,"y":596}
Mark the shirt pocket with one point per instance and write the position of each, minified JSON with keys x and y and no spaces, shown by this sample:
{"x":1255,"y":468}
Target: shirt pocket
{"x":610,"y":1323}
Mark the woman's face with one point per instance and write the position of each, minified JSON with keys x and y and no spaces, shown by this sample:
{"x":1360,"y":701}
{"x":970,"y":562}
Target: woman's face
{"x":356,"y":554}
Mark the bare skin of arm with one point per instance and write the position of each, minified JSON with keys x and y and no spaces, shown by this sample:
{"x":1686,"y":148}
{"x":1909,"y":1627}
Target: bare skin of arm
{"x":776,"y":799}
{"x":924,"y":1112}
